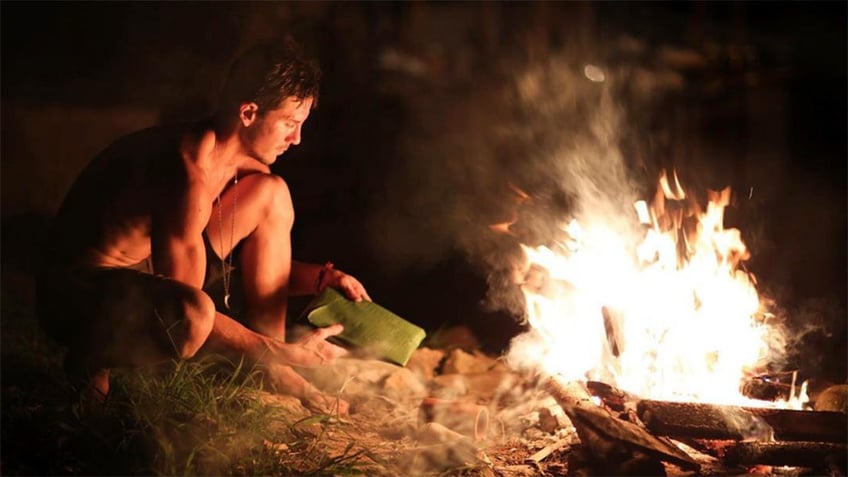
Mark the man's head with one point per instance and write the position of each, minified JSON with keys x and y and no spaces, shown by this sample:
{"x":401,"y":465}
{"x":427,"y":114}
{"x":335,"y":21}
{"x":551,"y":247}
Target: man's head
{"x":270,"y":92}
{"x":268,"y":74}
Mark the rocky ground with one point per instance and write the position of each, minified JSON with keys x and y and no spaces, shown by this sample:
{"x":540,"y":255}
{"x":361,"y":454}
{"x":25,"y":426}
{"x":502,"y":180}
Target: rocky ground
{"x":446,"y":410}
{"x":458,"y":412}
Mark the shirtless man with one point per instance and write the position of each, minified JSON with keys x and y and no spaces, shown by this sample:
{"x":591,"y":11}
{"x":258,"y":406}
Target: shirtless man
{"x":136,"y":240}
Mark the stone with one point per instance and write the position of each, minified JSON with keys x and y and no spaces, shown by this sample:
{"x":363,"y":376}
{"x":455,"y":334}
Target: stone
{"x":833,"y":398}
{"x":459,"y":336}
{"x":425,"y":362}
{"x":403,"y":384}
{"x":459,"y":361}
{"x":449,"y":386}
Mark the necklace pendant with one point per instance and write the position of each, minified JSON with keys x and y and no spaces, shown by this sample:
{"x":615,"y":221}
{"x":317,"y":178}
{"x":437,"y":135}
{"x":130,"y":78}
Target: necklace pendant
{"x":227,"y":300}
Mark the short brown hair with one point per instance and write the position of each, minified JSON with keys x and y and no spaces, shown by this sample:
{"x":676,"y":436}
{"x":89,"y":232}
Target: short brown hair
{"x":269,"y":73}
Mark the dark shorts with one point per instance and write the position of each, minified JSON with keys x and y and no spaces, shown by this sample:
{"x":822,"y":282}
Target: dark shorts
{"x":72,"y":300}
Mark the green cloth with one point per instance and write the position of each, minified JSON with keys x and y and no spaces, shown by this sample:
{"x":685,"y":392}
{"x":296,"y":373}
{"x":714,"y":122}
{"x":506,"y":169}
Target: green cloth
{"x":367,"y":326}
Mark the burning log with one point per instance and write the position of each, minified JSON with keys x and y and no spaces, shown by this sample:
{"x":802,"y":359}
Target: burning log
{"x":722,"y":422}
{"x":613,"y":398}
{"x":816,"y":455}
{"x":610,"y":439}
{"x":769,"y":387}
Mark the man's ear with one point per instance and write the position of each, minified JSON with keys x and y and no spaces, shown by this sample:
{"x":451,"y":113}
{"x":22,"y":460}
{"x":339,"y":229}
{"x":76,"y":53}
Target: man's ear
{"x":247,"y":113}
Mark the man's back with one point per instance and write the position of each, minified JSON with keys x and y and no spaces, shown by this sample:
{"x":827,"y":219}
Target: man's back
{"x":105,"y":217}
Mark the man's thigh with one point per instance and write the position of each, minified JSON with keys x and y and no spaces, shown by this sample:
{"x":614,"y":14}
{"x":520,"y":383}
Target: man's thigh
{"x":122,"y":315}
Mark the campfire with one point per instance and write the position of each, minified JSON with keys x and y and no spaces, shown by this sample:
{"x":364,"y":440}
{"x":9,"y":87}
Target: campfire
{"x":653,"y":340}
{"x":648,"y":351}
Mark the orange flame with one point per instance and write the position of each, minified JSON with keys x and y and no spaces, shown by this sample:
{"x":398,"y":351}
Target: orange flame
{"x":667,"y":315}
{"x":517,"y":197}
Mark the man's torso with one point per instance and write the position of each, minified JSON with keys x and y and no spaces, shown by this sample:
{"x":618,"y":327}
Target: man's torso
{"x":105,"y":220}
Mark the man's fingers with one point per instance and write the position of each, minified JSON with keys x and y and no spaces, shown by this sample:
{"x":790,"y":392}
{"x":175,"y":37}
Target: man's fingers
{"x":352,"y":288}
{"x":323,"y":404}
{"x":365,"y":295}
{"x":358,"y":293}
{"x":327,"y":331}
{"x":336,"y":351}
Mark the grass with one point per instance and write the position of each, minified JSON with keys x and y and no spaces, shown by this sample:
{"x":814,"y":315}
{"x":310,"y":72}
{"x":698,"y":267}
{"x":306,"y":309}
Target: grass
{"x":201,"y":417}
{"x":205,"y":416}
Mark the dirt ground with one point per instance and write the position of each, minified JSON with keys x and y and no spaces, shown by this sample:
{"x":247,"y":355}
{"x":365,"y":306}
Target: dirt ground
{"x":444,"y":411}
{"x":455,"y":412}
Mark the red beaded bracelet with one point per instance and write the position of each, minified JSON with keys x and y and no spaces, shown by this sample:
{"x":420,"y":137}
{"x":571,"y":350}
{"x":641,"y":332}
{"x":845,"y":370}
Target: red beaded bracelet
{"x":321,"y":274}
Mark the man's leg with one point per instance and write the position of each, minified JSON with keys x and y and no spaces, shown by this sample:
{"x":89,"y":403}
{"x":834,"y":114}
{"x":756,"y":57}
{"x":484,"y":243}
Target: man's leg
{"x":262,"y":224}
{"x":122,"y":318}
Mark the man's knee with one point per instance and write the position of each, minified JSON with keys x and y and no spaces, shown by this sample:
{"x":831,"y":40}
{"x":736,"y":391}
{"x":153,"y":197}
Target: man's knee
{"x":276,"y":195}
{"x":199,"y":314}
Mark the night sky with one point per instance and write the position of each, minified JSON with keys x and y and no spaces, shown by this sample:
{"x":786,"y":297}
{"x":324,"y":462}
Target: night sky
{"x":764,"y":112}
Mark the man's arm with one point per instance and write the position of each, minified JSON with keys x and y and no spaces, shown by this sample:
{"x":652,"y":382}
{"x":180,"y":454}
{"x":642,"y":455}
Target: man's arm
{"x":176,"y":233}
{"x":310,"y":278}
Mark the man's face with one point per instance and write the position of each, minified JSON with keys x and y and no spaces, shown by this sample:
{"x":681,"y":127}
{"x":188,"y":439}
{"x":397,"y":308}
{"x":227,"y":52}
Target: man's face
{"x":271,"y":133}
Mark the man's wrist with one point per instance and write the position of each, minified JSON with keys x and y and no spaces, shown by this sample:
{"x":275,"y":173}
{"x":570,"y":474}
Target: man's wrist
{"x":323,"y":274}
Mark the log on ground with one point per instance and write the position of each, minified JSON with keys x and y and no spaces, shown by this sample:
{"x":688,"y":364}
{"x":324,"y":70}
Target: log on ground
{"x":816,"y":455}
{"x":723,"y":422}
{"x":606,"y":433}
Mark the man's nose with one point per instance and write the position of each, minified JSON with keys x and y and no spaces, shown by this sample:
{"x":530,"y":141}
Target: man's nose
{"x":294,"y":137}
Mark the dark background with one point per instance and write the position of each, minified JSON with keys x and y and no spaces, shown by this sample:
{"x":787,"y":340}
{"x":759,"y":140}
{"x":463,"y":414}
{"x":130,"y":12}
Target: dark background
{"x":751,"y":95}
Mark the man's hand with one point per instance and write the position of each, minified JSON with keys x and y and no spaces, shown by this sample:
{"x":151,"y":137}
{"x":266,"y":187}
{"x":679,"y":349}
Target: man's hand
{"x":323,"y":404}
{"x":283,"y":379}
{"x":347,"y":284}
{"x":314,"y":350}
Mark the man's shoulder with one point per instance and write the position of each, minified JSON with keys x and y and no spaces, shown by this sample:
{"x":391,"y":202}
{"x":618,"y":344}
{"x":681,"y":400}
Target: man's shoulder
{"x":165,"y":134}
{"x":147,"y":145}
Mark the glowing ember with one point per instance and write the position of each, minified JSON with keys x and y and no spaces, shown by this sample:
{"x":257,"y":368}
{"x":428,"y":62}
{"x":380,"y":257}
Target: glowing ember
{"x":667,"y":315}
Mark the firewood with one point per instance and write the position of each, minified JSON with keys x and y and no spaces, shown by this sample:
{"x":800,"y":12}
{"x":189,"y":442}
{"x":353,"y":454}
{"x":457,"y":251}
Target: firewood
{"x":815,"y":426}
{"x":765,"y":390}
{"x":817,"y":455}
{"x":723,"y":422}
{"x":549,"y":449}
{"x":606,"y":434}
{"x":612,"y":397}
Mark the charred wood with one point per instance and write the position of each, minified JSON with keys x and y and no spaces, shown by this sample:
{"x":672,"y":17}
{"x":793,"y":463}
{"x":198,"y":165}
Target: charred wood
{"x":821,"y":456}
{"x":613,"y":444}
{"x":613,"y":398}
{"x":722,"y":422}
{"x":766,"y":390}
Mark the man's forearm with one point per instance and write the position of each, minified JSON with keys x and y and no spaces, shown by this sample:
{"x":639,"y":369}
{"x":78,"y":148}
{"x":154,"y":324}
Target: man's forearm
{"x":311,"y":278}
{"x":304,"y":278}
{"x":230,"y":338}
{"x":186,"y":264}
